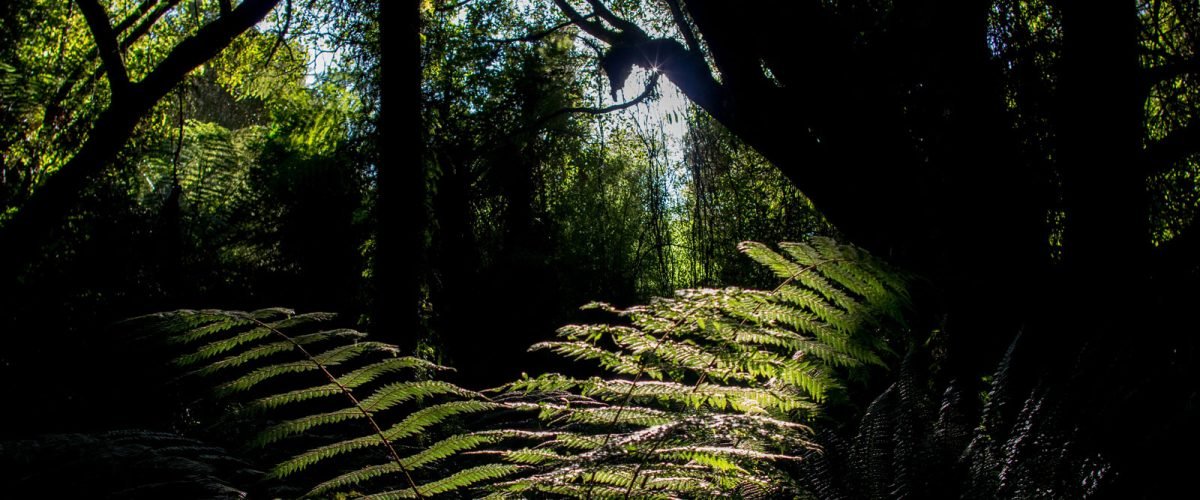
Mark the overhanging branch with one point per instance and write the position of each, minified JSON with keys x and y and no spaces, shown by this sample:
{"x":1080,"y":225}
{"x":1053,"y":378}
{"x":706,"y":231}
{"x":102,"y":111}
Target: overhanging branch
{"x":590,"y":27}
{"x":106,"y":44}
{"x":141,"y":10}
{"x":77,"y":78}
{"x":685,"y":28}
{"x":622,"y":24}
{"x":202,"y":46}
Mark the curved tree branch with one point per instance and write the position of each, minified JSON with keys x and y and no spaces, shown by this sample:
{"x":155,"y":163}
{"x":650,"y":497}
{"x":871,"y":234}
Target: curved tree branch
{"x":143,"y":27}
{"x":630,"y":47}
{"x":76,"y":78}
{"x":208,"y":41}
{"x":141,"y":10}
{"x":590,"y":27}
{"x":452,"y":6}
{"x":106,"y":44}
{"x":620,"y":23}
{"x":685,"y":28}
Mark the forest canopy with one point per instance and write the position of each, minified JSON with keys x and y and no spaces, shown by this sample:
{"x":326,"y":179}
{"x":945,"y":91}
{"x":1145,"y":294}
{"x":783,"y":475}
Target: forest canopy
{"x":979,"y":220}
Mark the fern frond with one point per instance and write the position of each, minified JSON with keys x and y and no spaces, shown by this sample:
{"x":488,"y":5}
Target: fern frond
{"x":809,"y":275}
{"x":263,"y":341}
{"x":206,"y":324}
{"x":332,"y":357}
{"x":559,"y":413}
{"x":390,"y":395}
{"x":271,"y":314}
{"x":707,"y":354}
{"x":456,"y":481}
{"x":532,"y":456}
{"x":416,"y":422}
{"x":437,"y":451}
{"x":580,"y":351}
{"x":723,"y":455}
{"x":700,"y":394}
{"x":261,"y":351}
{"x":356,"y":378}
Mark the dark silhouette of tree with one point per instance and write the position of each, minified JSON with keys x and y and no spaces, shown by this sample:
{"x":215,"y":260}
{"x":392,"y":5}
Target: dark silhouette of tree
{"x":1011,"y":170}
{"x":893,"y":119}
{"x":400,"y":176}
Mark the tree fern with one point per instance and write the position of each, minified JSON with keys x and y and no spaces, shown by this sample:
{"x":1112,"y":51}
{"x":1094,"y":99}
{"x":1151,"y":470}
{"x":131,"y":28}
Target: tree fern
{"x":704,"y":394}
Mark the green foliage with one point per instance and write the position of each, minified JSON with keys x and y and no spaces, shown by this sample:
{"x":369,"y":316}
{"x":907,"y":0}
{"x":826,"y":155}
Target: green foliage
{"x":733,"y":193}
{"x":704,"y":394}
{"x":263,"y":358}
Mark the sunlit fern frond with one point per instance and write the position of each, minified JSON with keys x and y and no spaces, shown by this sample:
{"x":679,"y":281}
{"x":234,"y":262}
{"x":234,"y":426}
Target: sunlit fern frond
{"x":703,"y":394}
{"x":353,"y":401}
{"x":706,"y":392}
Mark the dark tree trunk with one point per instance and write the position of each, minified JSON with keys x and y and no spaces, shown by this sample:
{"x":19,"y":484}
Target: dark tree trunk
{"x":400,"y":177}
{"x":1104,"y":190}
{"x":990,"y":247}
{"x":906,"y":146}
{"x":1105,"y":301}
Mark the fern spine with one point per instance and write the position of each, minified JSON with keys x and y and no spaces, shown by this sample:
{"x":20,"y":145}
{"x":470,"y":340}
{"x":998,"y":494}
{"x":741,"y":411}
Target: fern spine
{"x":353,"y":400}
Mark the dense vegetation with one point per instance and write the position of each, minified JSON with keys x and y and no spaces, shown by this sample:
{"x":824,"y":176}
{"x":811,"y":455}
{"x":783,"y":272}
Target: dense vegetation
{"x":988,"y":290}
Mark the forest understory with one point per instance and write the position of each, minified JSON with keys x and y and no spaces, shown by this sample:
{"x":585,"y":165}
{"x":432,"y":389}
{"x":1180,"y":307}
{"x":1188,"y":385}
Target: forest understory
{"x":832,"y":249}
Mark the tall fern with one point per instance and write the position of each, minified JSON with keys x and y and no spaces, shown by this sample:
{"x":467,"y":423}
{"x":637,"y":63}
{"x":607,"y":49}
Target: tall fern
{"x":702,"y":394}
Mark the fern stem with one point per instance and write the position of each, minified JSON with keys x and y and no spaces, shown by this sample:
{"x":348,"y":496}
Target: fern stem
{"x":353,"y":400}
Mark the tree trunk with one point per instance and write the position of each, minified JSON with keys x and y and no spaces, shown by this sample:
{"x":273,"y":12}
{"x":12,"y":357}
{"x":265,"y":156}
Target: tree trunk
{"x":400,"y":177}
{"x":1106,"y":237}
{"x":1105,"y":297}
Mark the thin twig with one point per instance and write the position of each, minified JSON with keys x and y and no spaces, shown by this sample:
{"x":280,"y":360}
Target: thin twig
{"x":178,"y":144}
{"x":453,"y":6}
{"x":648,"y":92}
{"x":282,"y":35}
